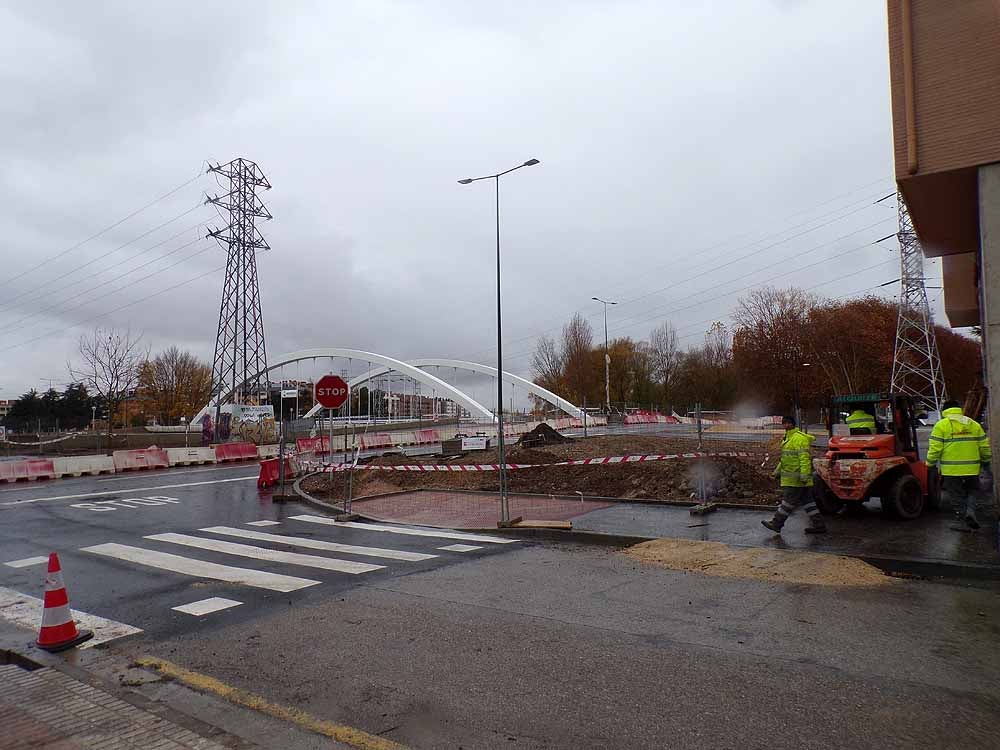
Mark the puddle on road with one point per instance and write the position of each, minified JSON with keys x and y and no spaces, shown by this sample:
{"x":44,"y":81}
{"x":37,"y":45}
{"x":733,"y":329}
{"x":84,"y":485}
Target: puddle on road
{"x":781,"y":566}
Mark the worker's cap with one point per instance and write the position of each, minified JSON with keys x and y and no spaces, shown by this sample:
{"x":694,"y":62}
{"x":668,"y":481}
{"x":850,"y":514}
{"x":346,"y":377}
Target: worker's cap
{"x":788,"y":420}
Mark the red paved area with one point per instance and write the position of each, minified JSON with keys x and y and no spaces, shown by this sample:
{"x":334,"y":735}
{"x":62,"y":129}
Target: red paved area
{"x":462,"y":510}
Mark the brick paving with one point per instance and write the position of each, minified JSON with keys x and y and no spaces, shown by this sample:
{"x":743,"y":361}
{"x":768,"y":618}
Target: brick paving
{"x":45,"y":709}
{"x":469,"y":510}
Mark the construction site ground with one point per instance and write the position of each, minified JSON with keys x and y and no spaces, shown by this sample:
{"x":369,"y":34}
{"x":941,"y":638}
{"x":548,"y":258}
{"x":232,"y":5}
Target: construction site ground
{"x":726,"y":479}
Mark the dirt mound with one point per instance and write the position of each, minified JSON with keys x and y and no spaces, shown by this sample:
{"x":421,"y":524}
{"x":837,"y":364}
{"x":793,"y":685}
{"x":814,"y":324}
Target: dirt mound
{"x":780,"y":566}
{"x":543,"y":435}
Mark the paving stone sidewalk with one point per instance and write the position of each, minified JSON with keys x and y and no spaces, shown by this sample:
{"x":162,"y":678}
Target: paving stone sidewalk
{"x":46,"y":709}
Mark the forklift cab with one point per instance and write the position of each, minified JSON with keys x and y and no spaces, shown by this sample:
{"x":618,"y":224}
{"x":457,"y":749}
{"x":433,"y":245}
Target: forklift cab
{"x":895,"y":426}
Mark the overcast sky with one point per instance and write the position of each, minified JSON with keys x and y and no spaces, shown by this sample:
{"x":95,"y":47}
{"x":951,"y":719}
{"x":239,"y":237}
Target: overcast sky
{"x":687,"y":153}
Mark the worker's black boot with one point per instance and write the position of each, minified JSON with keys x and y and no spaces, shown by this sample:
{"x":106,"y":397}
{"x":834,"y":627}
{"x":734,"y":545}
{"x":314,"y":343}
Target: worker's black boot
{"x":971,"y":521}
{"x":771,"y":524}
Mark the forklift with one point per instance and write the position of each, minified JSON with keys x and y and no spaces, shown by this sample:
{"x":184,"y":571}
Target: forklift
{"x":858,"y":467}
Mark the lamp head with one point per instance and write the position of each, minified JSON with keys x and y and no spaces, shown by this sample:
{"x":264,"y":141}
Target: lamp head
{"x":466,"y":181}
{"x":531,"y":162}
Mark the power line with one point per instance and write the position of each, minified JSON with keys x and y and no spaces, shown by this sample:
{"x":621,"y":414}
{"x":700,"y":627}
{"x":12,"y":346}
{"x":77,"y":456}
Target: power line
{"x":105,"y":283}
{"x":867,"y":204}
{"x":714,"y":269}
{"x":753,"y":286}
{"x":10,"y":303}
{"x":55,"y":331}
{"x":48,"y":291}
{"x":106,"y":229}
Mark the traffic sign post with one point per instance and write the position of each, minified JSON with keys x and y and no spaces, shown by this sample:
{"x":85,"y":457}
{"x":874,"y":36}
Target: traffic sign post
{"x":331,"y":392}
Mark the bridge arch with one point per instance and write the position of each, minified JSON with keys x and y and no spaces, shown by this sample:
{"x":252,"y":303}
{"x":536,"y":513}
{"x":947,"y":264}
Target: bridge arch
{"x":532,"y":388}
{"x":386,"y":364}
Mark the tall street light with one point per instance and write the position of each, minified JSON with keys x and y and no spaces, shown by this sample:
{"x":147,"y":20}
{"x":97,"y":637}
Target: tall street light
{"x":607,"y":357}
{"x":504,"y":507}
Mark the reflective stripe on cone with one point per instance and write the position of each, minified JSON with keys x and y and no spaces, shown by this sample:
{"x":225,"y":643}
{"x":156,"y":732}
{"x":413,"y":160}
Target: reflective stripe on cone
{"x":58,"y":631}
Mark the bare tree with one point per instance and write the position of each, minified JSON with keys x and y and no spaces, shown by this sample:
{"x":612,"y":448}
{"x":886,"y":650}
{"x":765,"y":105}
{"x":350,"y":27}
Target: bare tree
{"x":578,"y":362}
{"x":111,"y":361}
{"x":546,"y":363}
{"x":664,"y":352}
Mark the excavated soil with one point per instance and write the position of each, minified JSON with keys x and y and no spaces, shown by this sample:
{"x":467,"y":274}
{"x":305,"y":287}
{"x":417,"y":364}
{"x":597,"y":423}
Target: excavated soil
{"x":780,"y":566}
{"x":734,"y":480}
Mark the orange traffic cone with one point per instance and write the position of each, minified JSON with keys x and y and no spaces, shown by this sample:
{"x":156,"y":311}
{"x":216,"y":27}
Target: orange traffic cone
{"x":58,"y":631}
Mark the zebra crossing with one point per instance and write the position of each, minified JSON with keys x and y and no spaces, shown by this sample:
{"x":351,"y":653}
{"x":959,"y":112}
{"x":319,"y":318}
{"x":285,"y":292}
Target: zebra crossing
{"x":291,"y":555}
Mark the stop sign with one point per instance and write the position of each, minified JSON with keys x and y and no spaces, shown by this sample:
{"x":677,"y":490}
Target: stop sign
{"x":331,"y":391}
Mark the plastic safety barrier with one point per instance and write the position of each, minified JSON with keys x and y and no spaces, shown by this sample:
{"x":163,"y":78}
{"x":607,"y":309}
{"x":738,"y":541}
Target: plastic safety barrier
{"x":148,"y":458}
{"x":313,"y":445}
{"x":427,"y":436}
{"x":27,"y":470}
{"x":268,"y":451}
{"x":376,"y":440}
{"x":235,"y":452}
{"x":190,"y":456}
{"x":79,"y":466}
{"x":270,"y":471}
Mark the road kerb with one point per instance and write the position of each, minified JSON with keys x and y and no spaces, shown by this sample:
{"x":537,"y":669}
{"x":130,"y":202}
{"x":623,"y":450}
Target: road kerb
{"x":351,"y":736}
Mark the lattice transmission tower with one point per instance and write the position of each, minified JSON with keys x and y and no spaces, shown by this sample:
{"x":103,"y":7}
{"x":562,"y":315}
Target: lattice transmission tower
{"x":916,"y":366}
{"x":240,"y":355}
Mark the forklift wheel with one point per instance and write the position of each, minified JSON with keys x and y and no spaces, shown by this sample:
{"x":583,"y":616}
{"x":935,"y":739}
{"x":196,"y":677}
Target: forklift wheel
{"x":828,"y":503}
{"x":906,"y":498}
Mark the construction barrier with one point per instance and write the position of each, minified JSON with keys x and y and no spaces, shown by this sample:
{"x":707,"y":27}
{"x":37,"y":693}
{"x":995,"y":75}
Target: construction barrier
{"x":148,"y":458}
{"x":79,"y":466}
{"x":424,"y":437}
{"x":376,"y":440}
{"x":601,"y":460}
{"x":190,"y":456}
{"x":268,"y":451}
{"x":313,"y":445}
{"x":270,"y":471}
{"x":235,"y":452}
{"x":27,"y":470}
{"x":649,"y":417}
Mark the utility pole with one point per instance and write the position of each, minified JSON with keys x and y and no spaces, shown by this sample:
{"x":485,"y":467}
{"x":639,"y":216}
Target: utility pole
{"x":240,"y":355}
{"x":607,"y":357}
{"x":916,"y":365}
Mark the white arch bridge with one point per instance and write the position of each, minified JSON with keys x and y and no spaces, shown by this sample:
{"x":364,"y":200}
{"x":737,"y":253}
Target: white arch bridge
{"x":417,"y":371}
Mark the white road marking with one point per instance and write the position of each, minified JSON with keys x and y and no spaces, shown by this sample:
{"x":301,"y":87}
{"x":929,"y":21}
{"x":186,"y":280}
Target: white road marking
{"x":263,"y":523}
{"x":26,"y":562}
{"x":129,"y":489}
{"x":174,"y":473}
{"x":409,"y":530}
{"x":199,"y":568}
{"x":460,"y":548}
{"x":270,"y":555}
{"x":207,"y":606}
{"x":26,"y":611}
{"x":391,"y":554}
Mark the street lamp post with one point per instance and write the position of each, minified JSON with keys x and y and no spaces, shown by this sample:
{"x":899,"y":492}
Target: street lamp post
{"x":797,"y":413}
{"x":504,"y":508}
{"x":607,"y":356}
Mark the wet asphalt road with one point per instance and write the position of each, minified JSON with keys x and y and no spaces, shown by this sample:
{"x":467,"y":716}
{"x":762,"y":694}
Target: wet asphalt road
{"x":71,"y":516}
{"x":528,"y":645}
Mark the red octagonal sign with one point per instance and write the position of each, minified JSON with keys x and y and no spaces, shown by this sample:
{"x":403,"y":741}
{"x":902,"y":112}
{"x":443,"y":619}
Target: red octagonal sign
{"x":331,"y":391}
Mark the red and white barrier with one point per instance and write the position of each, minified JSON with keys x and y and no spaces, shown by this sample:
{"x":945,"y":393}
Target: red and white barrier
{"x":235,"y":452}
{"x":270,"y":468}
{"x":147,"y":458}
{"x":190,"y":456}
{"x":602,"y":460}
{"x":27,"y":470}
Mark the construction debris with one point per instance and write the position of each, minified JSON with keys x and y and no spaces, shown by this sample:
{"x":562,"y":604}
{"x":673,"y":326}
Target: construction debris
{"x":543,"y":435}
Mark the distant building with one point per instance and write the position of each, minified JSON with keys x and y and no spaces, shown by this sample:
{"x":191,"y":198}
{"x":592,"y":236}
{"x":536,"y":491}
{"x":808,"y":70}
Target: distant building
{"x":5,"y":407}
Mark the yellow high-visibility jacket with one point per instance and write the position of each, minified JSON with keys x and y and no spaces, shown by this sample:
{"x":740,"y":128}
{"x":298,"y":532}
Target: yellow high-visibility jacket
{"x":795,"y":466}
{"x":958,"y":444}
{"x":861,"y":420}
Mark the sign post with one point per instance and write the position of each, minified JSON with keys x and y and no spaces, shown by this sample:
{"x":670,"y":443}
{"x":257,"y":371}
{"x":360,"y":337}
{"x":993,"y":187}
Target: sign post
{"x":331,"y":393}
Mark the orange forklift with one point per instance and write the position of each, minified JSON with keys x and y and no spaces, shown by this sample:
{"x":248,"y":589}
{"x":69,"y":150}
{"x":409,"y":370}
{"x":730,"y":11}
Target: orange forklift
{"x":859,"y":467}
